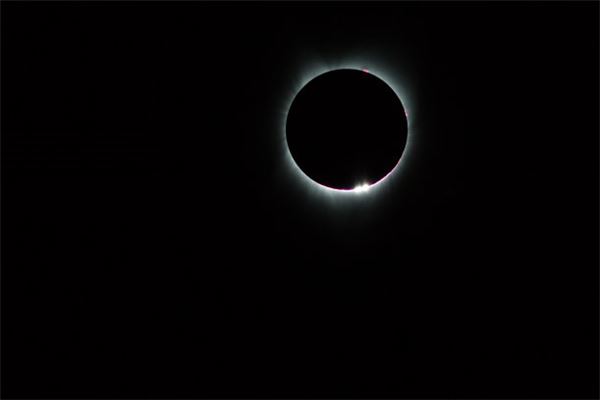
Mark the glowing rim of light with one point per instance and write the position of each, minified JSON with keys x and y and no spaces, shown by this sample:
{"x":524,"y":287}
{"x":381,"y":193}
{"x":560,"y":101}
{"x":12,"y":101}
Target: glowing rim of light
{"x":361,"y":187}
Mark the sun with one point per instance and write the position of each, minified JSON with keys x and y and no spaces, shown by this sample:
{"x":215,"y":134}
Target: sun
{"x":312,"y":188}
{"x":362,"y":188}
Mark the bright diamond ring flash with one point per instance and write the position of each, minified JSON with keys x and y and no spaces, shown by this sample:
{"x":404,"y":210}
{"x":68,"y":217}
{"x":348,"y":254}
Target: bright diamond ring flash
{"x":361,"y":188}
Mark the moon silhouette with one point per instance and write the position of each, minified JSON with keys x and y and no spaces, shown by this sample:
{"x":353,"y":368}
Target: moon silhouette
{"x":346,"y":129}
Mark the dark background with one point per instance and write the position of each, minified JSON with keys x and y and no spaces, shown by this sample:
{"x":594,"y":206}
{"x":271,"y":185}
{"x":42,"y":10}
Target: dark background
{"x":153,"y":247}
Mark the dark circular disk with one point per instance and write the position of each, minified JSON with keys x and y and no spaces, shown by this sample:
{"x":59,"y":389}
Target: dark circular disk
{"x":346,"y":128}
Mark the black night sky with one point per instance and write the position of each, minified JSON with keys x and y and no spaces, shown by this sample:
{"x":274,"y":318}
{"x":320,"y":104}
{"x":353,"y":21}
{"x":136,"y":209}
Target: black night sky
{"x":156,"y":245}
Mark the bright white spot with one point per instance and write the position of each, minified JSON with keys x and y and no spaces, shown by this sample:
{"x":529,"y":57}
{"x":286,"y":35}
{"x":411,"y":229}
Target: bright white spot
{"x":361,"y":188}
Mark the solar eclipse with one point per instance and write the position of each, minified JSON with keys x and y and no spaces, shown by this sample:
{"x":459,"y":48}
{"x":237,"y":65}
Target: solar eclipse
{"x":346,"y":130}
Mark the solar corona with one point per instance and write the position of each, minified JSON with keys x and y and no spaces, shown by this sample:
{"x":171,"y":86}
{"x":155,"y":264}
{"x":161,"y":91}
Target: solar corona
{"x":345,"y":131}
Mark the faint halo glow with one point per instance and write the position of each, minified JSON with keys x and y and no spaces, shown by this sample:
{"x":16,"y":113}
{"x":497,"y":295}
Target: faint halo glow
{"x":360,"y":188}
